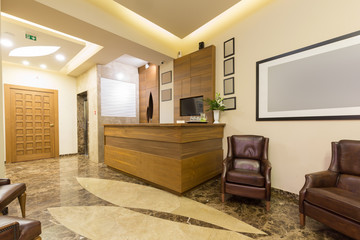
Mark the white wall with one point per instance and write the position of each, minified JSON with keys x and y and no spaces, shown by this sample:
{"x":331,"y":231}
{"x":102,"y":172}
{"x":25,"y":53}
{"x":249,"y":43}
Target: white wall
{"x":296,"y":147}
{"x":167,"y":107}
{"x":2,"y":132}
{"x":66,"y":86}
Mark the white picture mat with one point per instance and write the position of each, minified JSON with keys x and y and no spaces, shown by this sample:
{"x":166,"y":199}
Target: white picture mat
{"x":337,"y":87}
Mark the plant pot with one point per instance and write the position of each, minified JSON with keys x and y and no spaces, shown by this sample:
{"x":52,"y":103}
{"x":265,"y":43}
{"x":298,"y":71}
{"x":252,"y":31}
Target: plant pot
{"x":216,"y":116}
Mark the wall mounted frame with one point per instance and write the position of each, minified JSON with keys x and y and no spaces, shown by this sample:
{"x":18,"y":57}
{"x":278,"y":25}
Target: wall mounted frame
{"x":230,"y":103}
{"x":166,"y":95}
{"x":229,"y":86}
{"x":229,"y":47}
{"x":229,"y":66}
{"x":166,"y":77}
{"x":317,"y":82}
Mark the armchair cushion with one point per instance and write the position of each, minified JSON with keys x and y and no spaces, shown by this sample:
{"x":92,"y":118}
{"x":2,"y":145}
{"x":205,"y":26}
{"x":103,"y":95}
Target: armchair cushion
{"x":349,"y":155}
{"x":337,"y":200}
{"x":349,"y":182}
{"x":28,"y":228}
{"x":250,"y":147}
{"x":246,"y":177}
{"x":247,"y":164}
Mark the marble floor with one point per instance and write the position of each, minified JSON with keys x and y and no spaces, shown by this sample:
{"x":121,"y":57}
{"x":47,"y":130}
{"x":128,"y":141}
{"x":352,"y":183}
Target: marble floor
{"x":75,"y":198}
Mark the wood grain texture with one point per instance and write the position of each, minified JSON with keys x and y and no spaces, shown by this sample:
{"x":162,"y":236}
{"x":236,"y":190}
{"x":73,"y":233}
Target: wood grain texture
{"x":177,"y":133}
{"x":194,"y":75}
{"x":31,"y":122}
{"x":149,"y":82}
{"x":175,"y":157}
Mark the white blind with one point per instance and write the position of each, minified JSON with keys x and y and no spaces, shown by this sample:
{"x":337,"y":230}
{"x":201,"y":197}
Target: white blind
{"x":118,"y":99}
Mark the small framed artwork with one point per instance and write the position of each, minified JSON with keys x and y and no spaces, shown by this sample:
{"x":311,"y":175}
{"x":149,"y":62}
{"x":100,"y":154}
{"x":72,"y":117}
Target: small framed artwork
{"x":229,"y":67}
{"x":228,"y":86}
{"x":229,"y":48}
{"x":166,"y":77}
{"x":230,"y":103}
{"x":166,"y":95}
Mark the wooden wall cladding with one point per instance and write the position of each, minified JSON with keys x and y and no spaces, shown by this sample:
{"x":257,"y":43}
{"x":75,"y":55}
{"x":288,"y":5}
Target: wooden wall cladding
{"x":149,"y":82}
{"x":194,"y":75}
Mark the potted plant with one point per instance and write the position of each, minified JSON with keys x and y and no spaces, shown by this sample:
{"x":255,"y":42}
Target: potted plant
{"x":216,"y":106}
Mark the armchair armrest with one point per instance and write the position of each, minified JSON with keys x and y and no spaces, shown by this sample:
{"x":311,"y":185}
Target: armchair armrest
{"x":9,"y":231}
{"x":227,"y":162}
{"x":317,"y":180}
{"x":4,"y":181}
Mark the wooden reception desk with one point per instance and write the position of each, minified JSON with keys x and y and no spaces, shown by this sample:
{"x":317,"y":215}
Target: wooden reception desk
{"x":177,"y":157}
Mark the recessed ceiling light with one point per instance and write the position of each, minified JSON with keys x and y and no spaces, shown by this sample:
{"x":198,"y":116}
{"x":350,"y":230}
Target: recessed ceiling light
{"x":6,"y":42}
{"x":25,"y":62}
{"x":43,"y":66}
{"x":33,"y":51}
{"x":120,"y":76}
{"x":60,"y":57}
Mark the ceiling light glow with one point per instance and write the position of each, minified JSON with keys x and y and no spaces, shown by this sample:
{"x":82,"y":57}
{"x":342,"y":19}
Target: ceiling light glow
{"x":120,"y":76}
{"x":6,"y":42}
{"x":43,"y":66}
{"x":60,"y":57}
{"x":26,"y":63}
{"x":33,"y":51}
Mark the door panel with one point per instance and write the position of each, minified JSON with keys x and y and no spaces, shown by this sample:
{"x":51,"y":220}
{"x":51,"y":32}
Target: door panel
{"x":31,"y":123}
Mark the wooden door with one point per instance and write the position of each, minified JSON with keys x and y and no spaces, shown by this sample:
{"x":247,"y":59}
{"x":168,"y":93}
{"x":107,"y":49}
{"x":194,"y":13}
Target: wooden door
{"x":31,"y":123}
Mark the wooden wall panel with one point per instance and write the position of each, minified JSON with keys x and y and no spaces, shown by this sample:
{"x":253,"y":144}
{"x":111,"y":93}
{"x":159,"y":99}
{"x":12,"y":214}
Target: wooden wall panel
{"x":194,"y":75}
{"x":149,"y":82}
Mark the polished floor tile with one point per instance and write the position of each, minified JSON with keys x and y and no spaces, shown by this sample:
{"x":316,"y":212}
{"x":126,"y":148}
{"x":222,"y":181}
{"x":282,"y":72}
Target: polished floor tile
{"x":53,"y":184}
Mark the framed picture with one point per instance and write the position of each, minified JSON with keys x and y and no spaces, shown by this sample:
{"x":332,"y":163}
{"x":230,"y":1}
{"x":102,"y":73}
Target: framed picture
{"x":166,"y":95}
{"x":229,"y":48}
{"x":317,"y":82}
{"x":229,"y":67}
{"x":228,"y":86}
{"x":166,"y":78}
{"x":230,"y":103}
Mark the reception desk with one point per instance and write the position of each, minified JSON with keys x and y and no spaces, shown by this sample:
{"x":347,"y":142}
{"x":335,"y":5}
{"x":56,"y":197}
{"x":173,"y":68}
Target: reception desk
{"x":176,"y":157}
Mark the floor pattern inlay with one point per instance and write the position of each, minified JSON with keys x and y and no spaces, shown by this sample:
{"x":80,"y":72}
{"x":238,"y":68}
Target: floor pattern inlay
{"x":133,"y":195}
{"x":98,"y":222}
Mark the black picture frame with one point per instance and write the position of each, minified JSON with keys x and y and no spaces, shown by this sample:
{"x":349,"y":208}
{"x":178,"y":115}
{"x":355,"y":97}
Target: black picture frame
{"x":308,"y":83}
{"x":229,"y":66}
{"x":229,"y":86}
{"x":166,"y":77}
{"x":230,"y":103}
{"x":229,"y":47}
{"x":166,"y":95}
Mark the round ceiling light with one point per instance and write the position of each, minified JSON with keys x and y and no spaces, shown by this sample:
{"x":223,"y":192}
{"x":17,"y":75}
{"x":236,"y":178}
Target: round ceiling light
{"x":33,"y":51}
{"x":6,"y":42}
{"x":60,"y":57}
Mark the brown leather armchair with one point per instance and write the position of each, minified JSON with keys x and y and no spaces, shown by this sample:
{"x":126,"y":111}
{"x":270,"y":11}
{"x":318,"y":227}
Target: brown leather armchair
{"x":9,"y":192}
{"x":246,"y":169}
{"x":14,"y":228}
{"x":333,"y":196}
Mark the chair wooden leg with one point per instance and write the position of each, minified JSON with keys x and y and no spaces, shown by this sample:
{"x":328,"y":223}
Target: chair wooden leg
{"x":302,"y":220}
{"x":267,"y":205}
{"x":222,"y":197}
{"x":22,"y":201}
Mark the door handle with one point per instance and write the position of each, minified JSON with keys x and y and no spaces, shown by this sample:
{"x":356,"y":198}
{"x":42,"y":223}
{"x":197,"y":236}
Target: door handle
{"x":51,"y":124}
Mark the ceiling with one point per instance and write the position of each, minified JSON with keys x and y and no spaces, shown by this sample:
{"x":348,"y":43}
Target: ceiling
{"x":178,"y":17}
{"x":15,"y":31}
{"x":110,"y":28}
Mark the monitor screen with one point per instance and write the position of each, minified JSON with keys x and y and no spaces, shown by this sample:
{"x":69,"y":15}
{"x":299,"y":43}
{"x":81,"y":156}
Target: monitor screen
{"x":192,"y":106}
